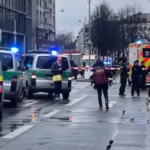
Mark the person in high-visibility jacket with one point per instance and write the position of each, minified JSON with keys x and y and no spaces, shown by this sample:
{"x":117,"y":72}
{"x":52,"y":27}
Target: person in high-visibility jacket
{"x":143,"y":75}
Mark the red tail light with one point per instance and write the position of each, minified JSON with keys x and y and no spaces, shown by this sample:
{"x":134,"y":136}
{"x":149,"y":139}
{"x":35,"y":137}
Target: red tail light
{"x":33,"y":76}
{"x":14,"y":79}
{"x":1,"y":86}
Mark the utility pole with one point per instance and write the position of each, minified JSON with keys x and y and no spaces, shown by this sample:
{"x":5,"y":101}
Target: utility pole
{"x":15,"y":33}
{"x":89,"y":42}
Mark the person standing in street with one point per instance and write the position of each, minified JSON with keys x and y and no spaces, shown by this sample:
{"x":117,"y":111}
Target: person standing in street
{"x":136,"y":72}
{"x":57,"y":71}
{"x":101,"y":76}
{"x":123,"y":79}
{"x":143,"y":75}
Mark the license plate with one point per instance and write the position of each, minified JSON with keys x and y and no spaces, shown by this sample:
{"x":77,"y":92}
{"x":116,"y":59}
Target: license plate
{"x":49,"y":78}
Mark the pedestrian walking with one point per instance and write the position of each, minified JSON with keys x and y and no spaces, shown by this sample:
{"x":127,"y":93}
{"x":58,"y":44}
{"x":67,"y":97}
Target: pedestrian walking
{"x":123,"y":79}
{"x":143,"y":75}
{"x":135,"y":77}
{"x":101,"y":76}
{"x":57,"y":70}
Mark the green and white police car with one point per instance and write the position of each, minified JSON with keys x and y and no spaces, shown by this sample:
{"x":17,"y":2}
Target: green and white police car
{"x":37,"y":77}
{"x":12,"y":78}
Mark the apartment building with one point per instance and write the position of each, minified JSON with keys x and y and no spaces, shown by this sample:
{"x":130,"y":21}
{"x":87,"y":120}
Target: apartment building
{"x":45,"y":23}
{"x":13,"y":23}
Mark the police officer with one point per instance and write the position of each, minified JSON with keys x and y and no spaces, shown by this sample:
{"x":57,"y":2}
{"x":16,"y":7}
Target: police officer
{"x":143,"y":75}
{"x":123,"y":79}
{"x":136,"y":72}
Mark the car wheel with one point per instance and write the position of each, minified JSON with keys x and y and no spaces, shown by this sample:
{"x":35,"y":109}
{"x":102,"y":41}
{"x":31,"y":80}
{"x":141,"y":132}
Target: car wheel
{"x":14,"y":101}
{"x":22,"y":95}
{"x":66,"y":96}
{"x":29,"y":93}
{"x":1,"y":114}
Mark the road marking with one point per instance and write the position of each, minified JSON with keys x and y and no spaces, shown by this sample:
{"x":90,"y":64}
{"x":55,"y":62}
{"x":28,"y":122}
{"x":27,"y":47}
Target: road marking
{"x":76,"y":100}
{"x":111,"y":103}
{"x":74,"y":91}
{"x":17,"y":132}
{"x":26,"y":105}
{"x":128,"y":96}
{"x":28,"y":101}
{"x":52,"y":113}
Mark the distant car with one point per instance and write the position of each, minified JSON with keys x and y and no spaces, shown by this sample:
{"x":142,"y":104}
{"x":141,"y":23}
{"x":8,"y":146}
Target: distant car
{"x":2,"y":68}
{"x":74,"y":69}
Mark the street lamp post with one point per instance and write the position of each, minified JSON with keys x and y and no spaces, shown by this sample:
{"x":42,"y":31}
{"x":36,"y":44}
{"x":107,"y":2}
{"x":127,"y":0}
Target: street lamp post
{"x":89,"y":42}
{"x":15,"y":33}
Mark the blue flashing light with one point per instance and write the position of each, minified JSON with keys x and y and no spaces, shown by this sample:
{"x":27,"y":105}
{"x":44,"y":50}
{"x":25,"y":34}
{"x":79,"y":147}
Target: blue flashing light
{"x":138,"y":42}
{"x":106,"y":63}
{"x":14,"y":49}
{"x":53,"y":52}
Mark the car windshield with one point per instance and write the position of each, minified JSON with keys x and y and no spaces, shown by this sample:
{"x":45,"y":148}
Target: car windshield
{"x":72,"y":63}
{"x":6,"y":60}
{"x":45,"y":62}
{"x":92,"y":61}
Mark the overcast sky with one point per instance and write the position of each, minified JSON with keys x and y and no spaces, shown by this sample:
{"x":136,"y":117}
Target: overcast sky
{"x":75,"y":10}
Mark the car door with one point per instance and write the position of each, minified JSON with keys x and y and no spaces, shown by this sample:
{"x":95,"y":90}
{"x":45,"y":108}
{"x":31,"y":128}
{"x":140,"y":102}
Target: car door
{"x":26,"y":64}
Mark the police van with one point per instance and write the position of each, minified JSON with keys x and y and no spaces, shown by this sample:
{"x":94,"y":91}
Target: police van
{"x":13,"y":77}
{"x":36,"y":66}
{"x":2,"y":68}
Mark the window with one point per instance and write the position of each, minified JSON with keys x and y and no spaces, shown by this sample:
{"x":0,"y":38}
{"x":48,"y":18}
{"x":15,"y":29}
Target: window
{"x":6,"y":60}
{"x":146,"y":52}
{"x":28,"y":61}
{"x":45,"y":62}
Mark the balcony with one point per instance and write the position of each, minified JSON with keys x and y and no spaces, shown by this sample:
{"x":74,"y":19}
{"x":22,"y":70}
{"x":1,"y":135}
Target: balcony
{"x":49,"y":28}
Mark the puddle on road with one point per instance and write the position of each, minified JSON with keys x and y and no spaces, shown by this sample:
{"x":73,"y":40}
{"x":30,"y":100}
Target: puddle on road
{"x":9,"y":126}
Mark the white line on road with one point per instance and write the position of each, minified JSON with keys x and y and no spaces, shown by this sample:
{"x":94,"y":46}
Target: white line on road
{"x":74,"y":91}
{"x":52,"y":113}
{"x":111,"y":103}
{"x":26,"y":105}
{"x":76,"y":100}
{"x":128,"y":96}
{"x":17,"y":132}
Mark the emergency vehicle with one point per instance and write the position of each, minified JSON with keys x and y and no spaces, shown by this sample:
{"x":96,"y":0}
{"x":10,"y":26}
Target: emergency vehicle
{"x":139,"y":51}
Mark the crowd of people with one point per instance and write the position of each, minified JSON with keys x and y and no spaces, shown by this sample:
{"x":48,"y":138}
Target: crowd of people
{"x":102,"y":78}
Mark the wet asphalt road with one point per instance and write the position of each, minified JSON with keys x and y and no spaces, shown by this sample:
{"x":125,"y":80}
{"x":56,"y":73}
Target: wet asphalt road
{"x":78,"y":124}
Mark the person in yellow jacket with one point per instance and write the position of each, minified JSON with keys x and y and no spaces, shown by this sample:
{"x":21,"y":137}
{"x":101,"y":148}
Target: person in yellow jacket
{"x":57,"y":71}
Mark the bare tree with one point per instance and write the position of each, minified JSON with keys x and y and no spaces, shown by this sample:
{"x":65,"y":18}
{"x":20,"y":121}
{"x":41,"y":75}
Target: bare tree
{"x":112,"y":32}
{"x":65,"y":40}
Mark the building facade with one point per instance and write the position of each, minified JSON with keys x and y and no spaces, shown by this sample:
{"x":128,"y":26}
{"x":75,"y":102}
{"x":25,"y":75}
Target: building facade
{"x":45,"y":24}
{"x":82,"y":40}
{"x":13,"y":23}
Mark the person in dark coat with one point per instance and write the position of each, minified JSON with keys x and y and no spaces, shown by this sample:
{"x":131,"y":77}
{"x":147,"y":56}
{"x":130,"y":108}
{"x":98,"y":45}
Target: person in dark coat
{"x":57,"y":69}
{"x":135,"y":76}
{"x":123,"y":79}
{"x":143,"y":75}
{"x":103,"y":87}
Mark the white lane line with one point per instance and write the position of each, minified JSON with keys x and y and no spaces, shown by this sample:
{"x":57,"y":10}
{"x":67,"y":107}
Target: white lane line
{"x":26,"y":105}
{"x":111,"y":103}
{"x":74,"y":91}
{"x":52,"y":113}
{"x":128,"y":96}
{"x":17,"y":132}
{"x":76,"y":100}
{"x":28,"y":101}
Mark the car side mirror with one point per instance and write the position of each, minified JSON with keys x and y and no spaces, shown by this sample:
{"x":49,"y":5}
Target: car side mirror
{"x":4,"y":68}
